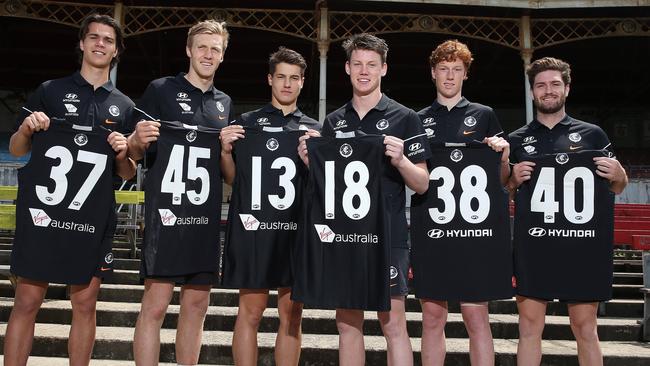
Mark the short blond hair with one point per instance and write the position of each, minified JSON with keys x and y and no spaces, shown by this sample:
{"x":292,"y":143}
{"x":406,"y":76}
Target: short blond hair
{"x":209,"y":26}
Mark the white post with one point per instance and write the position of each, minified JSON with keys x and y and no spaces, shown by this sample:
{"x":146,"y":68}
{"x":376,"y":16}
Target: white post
{"x":117,"y":15}
{"x":323,"y":47}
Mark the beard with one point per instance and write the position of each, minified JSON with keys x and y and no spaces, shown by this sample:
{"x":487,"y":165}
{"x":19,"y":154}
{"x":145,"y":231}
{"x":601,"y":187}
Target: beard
{"x":552,"y":108}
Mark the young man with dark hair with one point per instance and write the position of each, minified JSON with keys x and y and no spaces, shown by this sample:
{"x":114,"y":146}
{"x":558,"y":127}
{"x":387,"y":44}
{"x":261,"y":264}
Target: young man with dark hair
{"x":574,"y":269}
{"x":255,"y":261}
{"x":372,"y":112}
{"x":189,"y":99}
{"x":40,"y":255}
{"x":453,"y":119}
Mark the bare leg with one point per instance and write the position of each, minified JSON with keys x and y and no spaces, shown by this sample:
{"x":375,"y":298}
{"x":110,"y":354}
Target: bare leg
{"x":351,"y":347}
{"x":287,"y":344}
{"x":189,"y":331}
{"x":20,"y":330}
{"x":82,"y":331}
{"x":249,"y":315}
{"x":585,"y":328}
{"x":393,"y":325}
{"x":146,"y":343}
{"x":531,"y":326}
{"x":477,"y":323}
{"x":434,"y":318}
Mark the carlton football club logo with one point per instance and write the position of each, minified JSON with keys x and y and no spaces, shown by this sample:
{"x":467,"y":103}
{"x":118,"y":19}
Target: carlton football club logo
{"x":345,"y":150}
{"x":191,"y":136}
{"x":80,"y":139}
{"x":456,"y":155}
{"x":393,"y":272}
{"x":272,"y":144}
{"x":220,"y":107}
{"x":325,"y":234}
{"x":39,"y":217}
{"x":114,"y":110}
{"x":470,"y":121}
{"x":167,"y":217}
{"x":562,"y":158}
{"x":382,"y":124}
{"x":249,"y":222}
{"x":575,"y":137}
{"x":108,"y":258}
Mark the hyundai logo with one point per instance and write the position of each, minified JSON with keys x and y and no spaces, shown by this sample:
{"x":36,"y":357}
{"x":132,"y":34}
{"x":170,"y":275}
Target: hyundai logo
{"x":435,"y":233}
{"x":536,"y":231}
{"x":181,"y":95}
{"x":340,"y":123}
{"x":71,"y":96}
{"x":415,"y":146}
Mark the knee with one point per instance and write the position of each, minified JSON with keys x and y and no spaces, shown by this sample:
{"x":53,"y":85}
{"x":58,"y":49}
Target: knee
{"x":85,"y":308}
{"x":585,"y":330}
{"x":530,"y":326}
{"x":291,"y":317}
{"x":394,"y":329}
{"x":197,"y":305}
{"x":348,"y":323}
{"x":476,"y":322}
{"x":153,"y":312}
{"x":251,"y":315}
{"x":27,"y":305}
{"x":434,"y":320}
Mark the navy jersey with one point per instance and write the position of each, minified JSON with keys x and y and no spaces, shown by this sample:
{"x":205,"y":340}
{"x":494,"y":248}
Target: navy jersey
{"x":342,"y":257}
{"x":183,"y":203}
{"x":564,"y":229}
{"x":463,"y":217}
{"x":264,"y":209}
{"x":64,"y":205}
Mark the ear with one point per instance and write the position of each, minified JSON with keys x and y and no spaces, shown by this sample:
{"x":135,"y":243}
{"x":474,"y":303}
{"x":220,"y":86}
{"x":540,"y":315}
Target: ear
{"x":384,"y":69}
{"x":302,"y":82}
{"x":347,"y":67}
{"x":433,"y":73}
{"x":269,"y":77}
{"x":81,"y":45}
{"x":566,"y":90}
{"x":187,"y":51}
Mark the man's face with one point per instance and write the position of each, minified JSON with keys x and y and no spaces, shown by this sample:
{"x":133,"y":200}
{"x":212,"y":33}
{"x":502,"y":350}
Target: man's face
{"x":366,"y":70}
{"x":549,"y":92}
{"x":286,"y":83}
{"x":206,"y":54}
{"x":449,"y":77}
{"x":99,"y":45}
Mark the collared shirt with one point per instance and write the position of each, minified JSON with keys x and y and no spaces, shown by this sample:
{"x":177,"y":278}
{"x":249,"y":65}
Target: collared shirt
{"x":465,"y":122}
{"x":568,"y":135}
{"x":74,"y":100}
{"x":274,"y":117}
{"x":387,"y":118}
{"x":174,"y":98}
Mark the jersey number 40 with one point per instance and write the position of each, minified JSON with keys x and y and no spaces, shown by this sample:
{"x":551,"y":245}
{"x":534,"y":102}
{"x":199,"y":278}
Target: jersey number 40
{"x":59,"y":175}
{"x":173,"y":182}
{"x":543,"y":197}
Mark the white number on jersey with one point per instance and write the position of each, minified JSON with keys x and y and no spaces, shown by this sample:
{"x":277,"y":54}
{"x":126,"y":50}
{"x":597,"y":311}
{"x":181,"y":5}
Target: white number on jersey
{"x":543,"y":197}
{"x":353,"y":188}
{"x":470,"y":192}
{"x":284,"y":181}
{"x":172,"y":181}
{"x":59,"y":172}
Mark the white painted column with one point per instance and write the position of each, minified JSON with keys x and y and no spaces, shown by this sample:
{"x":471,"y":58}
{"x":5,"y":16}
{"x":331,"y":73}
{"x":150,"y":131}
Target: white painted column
{"x":323,"y":47}
{"x":117,"y":15}
{"x":525,"y":41}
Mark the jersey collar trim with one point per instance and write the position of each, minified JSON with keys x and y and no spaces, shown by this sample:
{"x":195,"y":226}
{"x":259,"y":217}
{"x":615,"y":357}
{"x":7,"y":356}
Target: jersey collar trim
{"x":79,"y":80}
{"x":270,"y":109}
{"x":187,"y":86}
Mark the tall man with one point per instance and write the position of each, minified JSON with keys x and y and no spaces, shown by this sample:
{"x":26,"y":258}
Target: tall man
{"x":451,"y":118}
{"x":373,"y":112}
{"x":542,"y":275}
{"x":193,"y":100}
{"x":257,"y":260}
{"x":86,"y":98}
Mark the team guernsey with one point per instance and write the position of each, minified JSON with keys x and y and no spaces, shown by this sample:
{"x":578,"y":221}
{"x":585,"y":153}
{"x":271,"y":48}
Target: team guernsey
{"x":265,"y":205}
{"x":463,"y":217}
{"x":343,"y":254}
{"x":183,"y":203}
{"x":564,"y":213}
{"x":64,"y":205}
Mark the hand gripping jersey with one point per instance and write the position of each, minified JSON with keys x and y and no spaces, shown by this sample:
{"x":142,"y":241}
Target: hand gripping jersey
{"x":183,"y":202}
{"x":264,"y":209}
{"x":564,"y":222}
{"x":64,"y":205}
{"x":460,"y":228}
{"x":343,"y":253}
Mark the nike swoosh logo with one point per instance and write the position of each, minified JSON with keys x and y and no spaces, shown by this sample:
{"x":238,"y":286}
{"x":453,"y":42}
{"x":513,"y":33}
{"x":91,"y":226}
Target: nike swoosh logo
{"x":109,"y":122}
{"x":468,"y":132}
{"x":104,"y":269}
{"x":575,"y":147}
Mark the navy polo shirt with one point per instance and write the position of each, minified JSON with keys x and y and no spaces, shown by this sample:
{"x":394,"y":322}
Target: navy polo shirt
{"x":465,"y":122}
{"x":569,"y":135}
{"x":274,"y":117}
{"x":74,"y":100}
{"x":174,"y":98}
{"x":387,"y":118}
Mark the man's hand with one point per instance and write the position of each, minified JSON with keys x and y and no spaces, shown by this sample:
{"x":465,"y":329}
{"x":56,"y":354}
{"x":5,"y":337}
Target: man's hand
{"x":302,"y":145}
{"x":119,"y":144}
{"x":394,"y":150}
{"x":145,"y":133}
{"x":612,"y":170}
{"x":37,"y":121}
{"x":228,"y":136}
{"x":521,"y":172}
